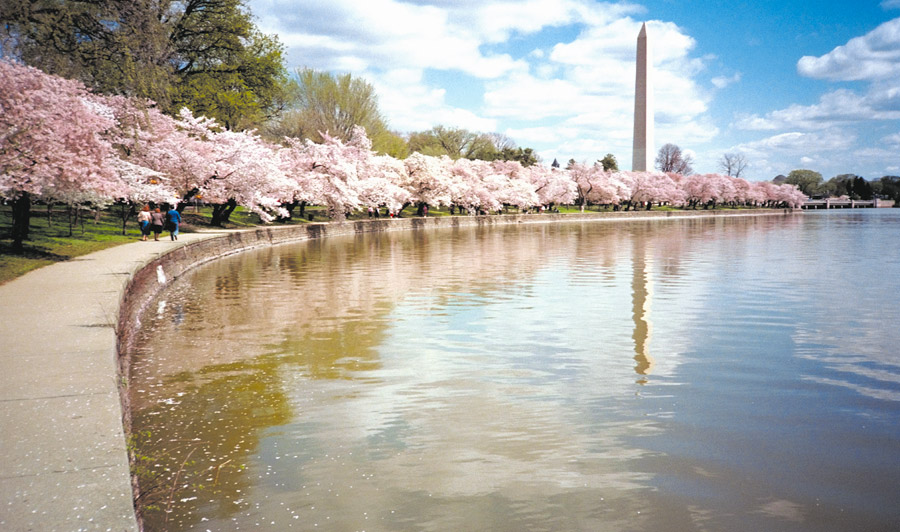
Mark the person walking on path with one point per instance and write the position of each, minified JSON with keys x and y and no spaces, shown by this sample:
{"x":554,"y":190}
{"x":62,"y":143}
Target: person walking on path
{"x":157,"y":219}
{"x":173,"y":217}
{"x":144,"y":221}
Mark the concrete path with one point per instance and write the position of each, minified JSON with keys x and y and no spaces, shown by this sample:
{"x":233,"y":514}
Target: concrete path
{"x":63,"y":462}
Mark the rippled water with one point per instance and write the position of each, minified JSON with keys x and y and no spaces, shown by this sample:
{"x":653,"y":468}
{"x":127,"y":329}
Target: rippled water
{"x":700,"y":374}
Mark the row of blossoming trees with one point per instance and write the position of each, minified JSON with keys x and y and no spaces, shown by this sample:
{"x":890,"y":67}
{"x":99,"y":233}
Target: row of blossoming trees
{"x":61,"y":143}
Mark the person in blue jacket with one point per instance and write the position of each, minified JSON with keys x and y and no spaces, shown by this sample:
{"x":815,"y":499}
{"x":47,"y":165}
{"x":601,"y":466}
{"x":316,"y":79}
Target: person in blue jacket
{"x":173,"y":220}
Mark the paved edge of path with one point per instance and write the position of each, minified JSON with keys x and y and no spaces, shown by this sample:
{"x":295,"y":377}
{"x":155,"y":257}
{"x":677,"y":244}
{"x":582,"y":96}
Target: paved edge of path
{"x":64,"y":329}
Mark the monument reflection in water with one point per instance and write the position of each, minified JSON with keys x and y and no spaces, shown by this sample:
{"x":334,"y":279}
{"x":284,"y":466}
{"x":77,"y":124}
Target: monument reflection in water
{"x":507,"y":379}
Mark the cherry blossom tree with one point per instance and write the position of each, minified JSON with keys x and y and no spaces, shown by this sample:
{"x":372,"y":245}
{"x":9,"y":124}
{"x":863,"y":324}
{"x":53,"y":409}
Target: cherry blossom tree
{"x":429,"y":180}
{"x":698,"y":190}
{"x":380,"y":175}
{"x":333,"y":177}
{"x":509,"y":183}
{"x":640,"y":188}
{"x":296,"y":162}
{"x":138,"y":131}
{"x":553,"y":186}
{"x":225,"y":168}
{"x":142,"y":185}
{"x":660,"y":188}
{"x":582,"y":175}
{"x":50,"y":143}
{"x":595,"y":185}
{"x":58,"y":142}
{"x":789,"y":195}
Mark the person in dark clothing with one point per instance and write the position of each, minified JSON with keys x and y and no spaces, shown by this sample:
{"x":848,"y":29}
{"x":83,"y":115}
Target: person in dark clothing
{"x":173,"y":220}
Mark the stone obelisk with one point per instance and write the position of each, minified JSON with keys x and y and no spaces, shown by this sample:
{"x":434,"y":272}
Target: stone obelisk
{"x":642,"y":151}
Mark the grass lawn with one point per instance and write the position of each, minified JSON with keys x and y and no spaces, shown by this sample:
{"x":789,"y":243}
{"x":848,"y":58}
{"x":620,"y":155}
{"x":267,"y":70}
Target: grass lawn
{"x":53,"y":240}
{"x":55,"y":236}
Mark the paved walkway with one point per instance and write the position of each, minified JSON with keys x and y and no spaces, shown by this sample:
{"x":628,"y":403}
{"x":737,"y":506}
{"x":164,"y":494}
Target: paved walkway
{"x":63,"y":463}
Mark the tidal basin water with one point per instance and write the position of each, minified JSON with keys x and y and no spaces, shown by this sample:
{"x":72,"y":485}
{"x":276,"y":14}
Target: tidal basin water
{"x":736,"y":374}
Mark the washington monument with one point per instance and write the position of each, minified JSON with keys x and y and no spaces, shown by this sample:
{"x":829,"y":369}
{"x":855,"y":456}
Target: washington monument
{"x":642,"y":150}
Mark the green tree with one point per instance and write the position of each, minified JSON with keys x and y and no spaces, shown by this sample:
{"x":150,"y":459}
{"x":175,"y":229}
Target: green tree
{"x":525,"y":156}
{"x":391,"y":143}
{"x":861,"y":189}
{"x":890,"y":187}
{"x":206,"y":55}
{"x":320,"y":103}
{"x":113,"y":46}
{"x":456,"y":143}
{"x":609,"y":163}
{"x":459,"y":143}
{"x":837,"y":186}
{"x":241,"y":88}
{"x":808,"y":181}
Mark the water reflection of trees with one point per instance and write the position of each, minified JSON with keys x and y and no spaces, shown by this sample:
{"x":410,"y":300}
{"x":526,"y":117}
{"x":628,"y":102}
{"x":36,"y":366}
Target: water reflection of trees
{"x":191,"y":448}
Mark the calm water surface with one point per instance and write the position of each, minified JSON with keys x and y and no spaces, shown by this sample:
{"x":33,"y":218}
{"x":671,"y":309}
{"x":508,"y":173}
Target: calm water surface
{"x":702,"y":374}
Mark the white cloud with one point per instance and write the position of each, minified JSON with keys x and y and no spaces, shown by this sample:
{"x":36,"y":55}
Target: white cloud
{"x":837,"y":132}
{"x":890,"y":4}
{"x":411,"y":105}
{"x":722,"y":82}
{"x":874,"y":56}
{"x":892,"y":140}
{"x":842,"y":106}
{"x":499,"y":20}
{"x":874,"y":153}
{"x":592,"y":90}
{"x":522,"y":95}
{"x":383,"y":34}
{"x":799,"y":144}
{"x":615,"y":40}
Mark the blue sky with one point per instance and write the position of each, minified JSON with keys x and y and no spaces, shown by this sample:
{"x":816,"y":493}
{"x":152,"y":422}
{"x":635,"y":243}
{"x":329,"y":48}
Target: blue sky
{"x":789,"y":84}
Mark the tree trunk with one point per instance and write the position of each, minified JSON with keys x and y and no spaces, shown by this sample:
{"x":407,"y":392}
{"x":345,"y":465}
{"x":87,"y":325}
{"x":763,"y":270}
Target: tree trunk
{"x":184,"y":201}
{"x":222,"y":212}
{"x":289,"y":207}
{"x":128,"y":210}
{"x":21,"y":214}
{"x":72,"y":220}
